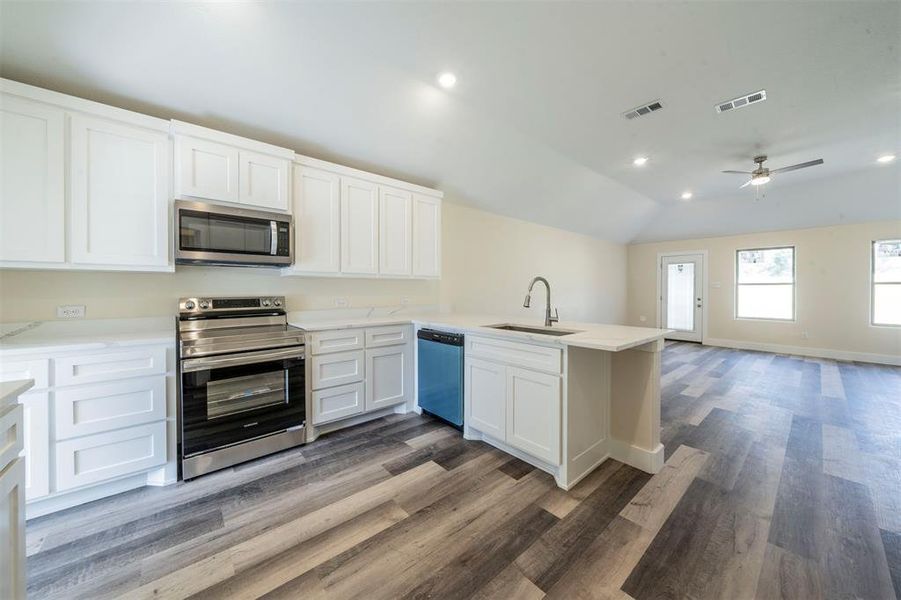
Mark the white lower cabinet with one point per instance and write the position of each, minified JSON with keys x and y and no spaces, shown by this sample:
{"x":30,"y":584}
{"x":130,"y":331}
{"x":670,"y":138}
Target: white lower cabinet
{"x":533,"y":413}
{"x":37,"y":443}
{"x":12,"y":530}
{"x":104,"y":406}
{"x":94,"y":458}
{"x":338,"y":403}
{"x":485,"y":383}
{"x":388,"y":376}
{"x":337,"y":369}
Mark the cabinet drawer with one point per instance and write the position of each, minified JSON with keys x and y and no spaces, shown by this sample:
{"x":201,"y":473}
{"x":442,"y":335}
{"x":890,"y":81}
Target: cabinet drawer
{"x":12,"y":435}
{"x":339,"y":340}
{"x":337,"y":369}
{"x":94,"y":458}
{"x":388,"y":336}
{"x":337,"y":403}
{"x":107,"y":406}
{"x":37,"y":369}
{"x":107,"y":366}
{"x":515,"y":353}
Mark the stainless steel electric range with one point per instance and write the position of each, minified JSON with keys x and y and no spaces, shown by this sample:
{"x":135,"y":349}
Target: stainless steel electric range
{"x":241,"y":382}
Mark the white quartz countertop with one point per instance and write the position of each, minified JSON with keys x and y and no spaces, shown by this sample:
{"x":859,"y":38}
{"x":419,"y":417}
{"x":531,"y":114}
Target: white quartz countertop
{"x":597,"y":336}
{"x":11,"y":390}
{"x":84,"y":334}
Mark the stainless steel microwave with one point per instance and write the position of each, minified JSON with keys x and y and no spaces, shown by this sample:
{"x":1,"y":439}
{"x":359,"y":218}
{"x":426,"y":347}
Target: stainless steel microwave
{"x":209,"y":234}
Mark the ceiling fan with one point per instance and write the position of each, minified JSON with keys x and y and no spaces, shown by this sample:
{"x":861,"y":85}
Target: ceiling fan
{"x":761,"y":174}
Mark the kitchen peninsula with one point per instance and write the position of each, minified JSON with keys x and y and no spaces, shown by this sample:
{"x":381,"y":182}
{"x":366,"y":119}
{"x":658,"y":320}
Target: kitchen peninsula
{"x":564,"y":403}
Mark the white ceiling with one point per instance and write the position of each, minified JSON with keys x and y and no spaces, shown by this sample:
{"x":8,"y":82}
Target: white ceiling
{"x":534,"y":127}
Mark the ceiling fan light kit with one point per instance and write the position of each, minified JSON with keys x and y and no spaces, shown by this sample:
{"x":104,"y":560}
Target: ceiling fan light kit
{"x":761,"y":174}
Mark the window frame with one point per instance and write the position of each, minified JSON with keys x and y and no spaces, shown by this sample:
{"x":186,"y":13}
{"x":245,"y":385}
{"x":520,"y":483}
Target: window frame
{"x":874,"y":283}
{"x":794,"y":284}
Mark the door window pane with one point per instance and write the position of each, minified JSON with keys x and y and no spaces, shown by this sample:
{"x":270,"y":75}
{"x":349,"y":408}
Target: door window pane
{"x":886,"y":282}
{"x":765,"y":279}
{"x":680,"y":292}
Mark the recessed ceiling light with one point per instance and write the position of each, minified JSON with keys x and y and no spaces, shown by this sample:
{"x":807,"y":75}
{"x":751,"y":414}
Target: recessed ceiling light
{"x":640,"y":161}
{"x":686,"y":195}
{"x":886,"y":158}
{"x":447,"y":80}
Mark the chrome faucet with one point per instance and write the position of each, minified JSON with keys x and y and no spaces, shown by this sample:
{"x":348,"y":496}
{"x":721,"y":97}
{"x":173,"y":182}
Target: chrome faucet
{"x":548,"y":319}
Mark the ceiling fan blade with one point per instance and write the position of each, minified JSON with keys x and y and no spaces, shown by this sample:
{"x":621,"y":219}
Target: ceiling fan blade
{"x":746,"y":184}
{"x":738,"y":172}
{"x":804,"y":165}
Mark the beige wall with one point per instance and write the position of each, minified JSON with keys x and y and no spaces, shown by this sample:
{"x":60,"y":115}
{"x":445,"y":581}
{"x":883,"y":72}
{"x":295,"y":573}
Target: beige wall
{"x":832,"y":293}
{"x":488,"y":261}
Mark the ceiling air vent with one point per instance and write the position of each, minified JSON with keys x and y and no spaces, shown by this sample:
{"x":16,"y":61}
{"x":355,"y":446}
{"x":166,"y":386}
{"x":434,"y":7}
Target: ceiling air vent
{"x":741,"y":101}
{"x":643,"y":110}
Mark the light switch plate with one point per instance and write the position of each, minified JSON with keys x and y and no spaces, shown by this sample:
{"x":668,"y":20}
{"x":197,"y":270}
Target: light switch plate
{"x":70,"y":311}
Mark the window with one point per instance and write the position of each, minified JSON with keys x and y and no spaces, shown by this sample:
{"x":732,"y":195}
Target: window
{"x":765,"y":283}
{"x":886,"y":282}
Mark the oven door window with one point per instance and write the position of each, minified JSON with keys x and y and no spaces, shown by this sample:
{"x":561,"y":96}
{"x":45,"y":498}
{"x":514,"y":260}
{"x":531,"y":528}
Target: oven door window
{"x":228,"y":405}
{"x":206,"y":232}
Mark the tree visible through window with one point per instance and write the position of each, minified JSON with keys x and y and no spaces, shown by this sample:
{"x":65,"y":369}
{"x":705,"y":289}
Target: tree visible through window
{"x":765,"y":283}
{"x":886,"y":282}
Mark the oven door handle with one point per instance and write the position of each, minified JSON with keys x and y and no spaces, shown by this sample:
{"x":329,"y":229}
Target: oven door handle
{"x":214,"y":362}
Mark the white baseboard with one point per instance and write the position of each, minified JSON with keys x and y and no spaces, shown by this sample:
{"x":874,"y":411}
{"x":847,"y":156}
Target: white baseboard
{"x":649,"y":461}
{"x":882,"y":359}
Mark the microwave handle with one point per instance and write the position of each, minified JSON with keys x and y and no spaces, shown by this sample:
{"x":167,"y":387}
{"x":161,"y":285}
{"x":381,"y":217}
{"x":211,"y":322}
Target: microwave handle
{"x":273,"y":237}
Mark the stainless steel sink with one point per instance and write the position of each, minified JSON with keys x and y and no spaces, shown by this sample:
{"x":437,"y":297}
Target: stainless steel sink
{"x":531,"y":329}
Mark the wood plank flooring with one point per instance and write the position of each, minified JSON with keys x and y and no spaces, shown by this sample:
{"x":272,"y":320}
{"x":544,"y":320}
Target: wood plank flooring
{"x":782,"y":480}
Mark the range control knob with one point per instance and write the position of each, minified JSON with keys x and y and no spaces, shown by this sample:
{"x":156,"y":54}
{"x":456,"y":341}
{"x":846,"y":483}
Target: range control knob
{"x":277,"y":302}
{"x":266,"y":302}
{"x":204,"y":304}
{"x":189,"y":304}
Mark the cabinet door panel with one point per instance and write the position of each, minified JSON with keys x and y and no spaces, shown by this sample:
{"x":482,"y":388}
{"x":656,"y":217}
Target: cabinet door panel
{"x":120,"y":191}
{"x":338,"y":403}
{"x":388,"y":376}
{"x":359,"y":226}
{"x":37,"y":443}
{"x":263,"y":180}
{"x":484,"y":387}
{"x":395,"y":232}
{"x":337,"y":369}
{"x":105,"y":406}
{"x":12,"y":531}
{"x":317,"y":221}
{"x":32,"y":195}
{"x":206,"y":169}
{"x":533,"y":413}
{"x":426,"y":236}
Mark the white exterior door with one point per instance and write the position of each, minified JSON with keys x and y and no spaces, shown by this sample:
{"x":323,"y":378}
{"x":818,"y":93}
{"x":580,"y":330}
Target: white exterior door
{"x":317,"y":221}
{"x":426,"y":236}
{"x":389,"y":376}
{"x":484,"y":387}
{"x":120,"y":191}
{"x":359,"y":226}
{"x":395,"y":231}
{"x":32,"y":175}
{"x":682,"y":296}
{"x":206,"y":169}
{"x":263,"y":180}
{"x":533,"y":413}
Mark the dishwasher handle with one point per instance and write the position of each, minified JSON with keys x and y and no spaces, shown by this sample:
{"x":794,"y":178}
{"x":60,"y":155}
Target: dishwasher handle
{"x":441,"y":337}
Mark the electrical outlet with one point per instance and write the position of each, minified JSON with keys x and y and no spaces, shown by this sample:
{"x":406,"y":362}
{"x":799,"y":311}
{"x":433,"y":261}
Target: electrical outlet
{"x":404,"y":301}
{"x":341,"y":302}
{"x":70,"y":311}
{"x":642,"y":318}
{"x":805,"y":335}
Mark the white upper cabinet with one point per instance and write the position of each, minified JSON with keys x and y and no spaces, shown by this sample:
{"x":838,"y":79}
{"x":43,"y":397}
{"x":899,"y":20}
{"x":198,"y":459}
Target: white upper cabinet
{"x":212,"y":165}
{"x":32,"y":175}
{"x":359,"y":227}
{"x":119,"y":194}
{"x":426,"y":236}
{"x":206,"y":169}
{"x":395,"y":231}
{"x":317,"y":221}
{"x":263,"y":180}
